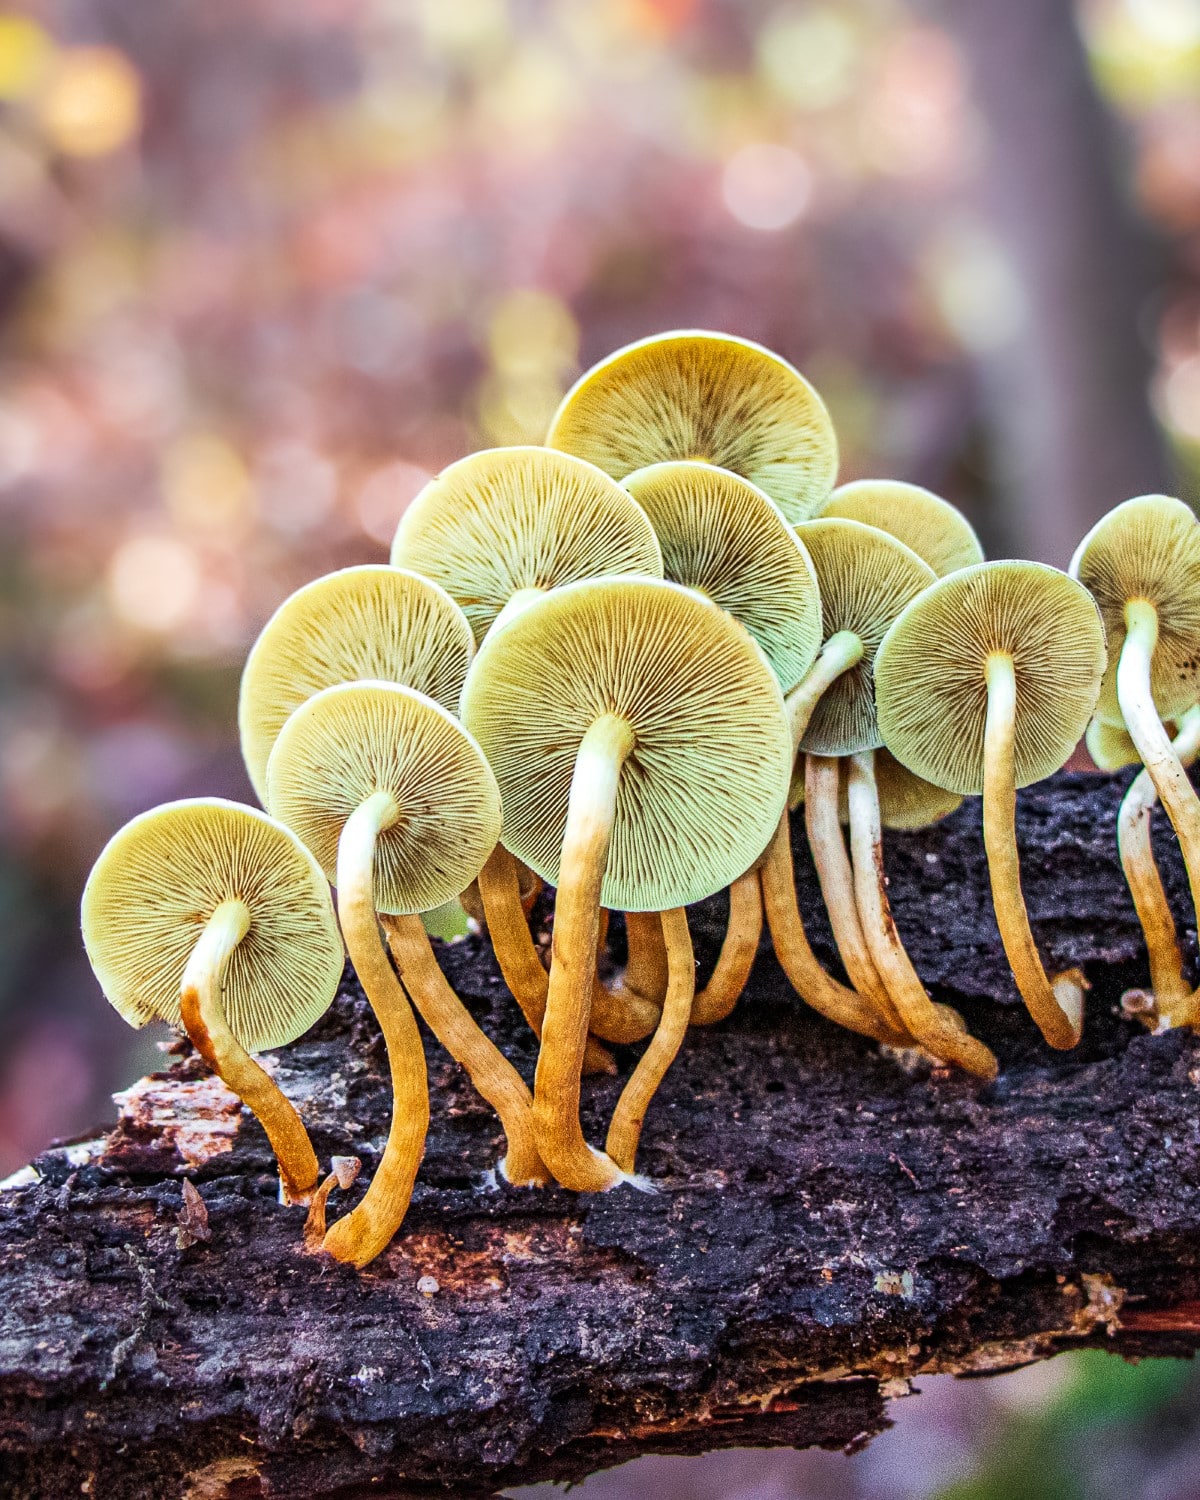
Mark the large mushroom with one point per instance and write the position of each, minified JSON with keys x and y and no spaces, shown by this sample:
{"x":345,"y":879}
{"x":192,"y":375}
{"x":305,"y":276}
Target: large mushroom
{"x":609,"y":711}
{"x":985,"y":683}
{"x":699,"y":395}
{"x":397,"y":803}
{"x":725,"y":538}
{"x":1141,"y":563}
{"x":213,"y":916}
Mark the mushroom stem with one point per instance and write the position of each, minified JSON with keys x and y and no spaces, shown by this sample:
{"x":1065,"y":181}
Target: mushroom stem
{"x":508,"y":928}
{"x":590,"y":813}
{"x":1175,"y":791}
{"x":1060,"y":1024}
{"x":645,"y":975}
{"x":367,"y":1229}
{"x":625,"y":1130}
{"x":206,"y":1026}
{"x":796,"y":958}
{"x":822,"y":784}
{"x":1174,"y":1001}
{"x":493,"y":1076}
{"x":840,"y":652}
{"x":736,"y":958}
{"x":934,"y":1030}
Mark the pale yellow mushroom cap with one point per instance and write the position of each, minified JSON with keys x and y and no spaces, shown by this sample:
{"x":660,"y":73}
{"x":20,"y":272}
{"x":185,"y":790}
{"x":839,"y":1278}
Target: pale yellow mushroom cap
{"x":723,"y":536}
{"x":1148,"y":548}
{"x":161,"y":877}
{"x":347,"y":743}
{"x":866,"y":578}
{"x":1110,"y":746}
{"x":937,"y":532}
{"x":373,"y":622}
{"x":705,"y":784}
{"x":930,"y":671}
{"x":508,"y":519}
{"x":706,"y":396}
{"x":906,"y":802}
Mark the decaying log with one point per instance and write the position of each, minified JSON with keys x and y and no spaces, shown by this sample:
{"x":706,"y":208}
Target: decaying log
{"x":829,"y":1221}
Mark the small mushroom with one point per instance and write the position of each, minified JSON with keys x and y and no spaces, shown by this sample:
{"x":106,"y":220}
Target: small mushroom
{"x":1141,"y":563}
{"x":609,"y":710}
{"x":707,"y":396}
{"x":398,"y":805}
{"x":1111,"y":747}
{"x":213,"y":916}
{"x":366,"y":623}
{"x":931,"y":527}
{"x":985,"y":683}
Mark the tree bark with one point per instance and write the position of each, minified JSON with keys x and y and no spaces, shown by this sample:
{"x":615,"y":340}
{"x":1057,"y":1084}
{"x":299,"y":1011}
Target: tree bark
{"x":829,"y":1221}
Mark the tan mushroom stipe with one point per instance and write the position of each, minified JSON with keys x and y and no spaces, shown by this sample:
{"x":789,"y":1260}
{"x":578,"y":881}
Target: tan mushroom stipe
{"x":931,"y":527}
{"x":709,"y":397}
{"x":1172,"y":1001}
{"x":213,"y":916}
{"x":1141,"y":563}
{"x":985,"y":684}
{"x":906,"y":802}
{"x":607,"y":780}
{"x":502,"y":526}
{"x":397,"y":803}
{"x":366,"y":623}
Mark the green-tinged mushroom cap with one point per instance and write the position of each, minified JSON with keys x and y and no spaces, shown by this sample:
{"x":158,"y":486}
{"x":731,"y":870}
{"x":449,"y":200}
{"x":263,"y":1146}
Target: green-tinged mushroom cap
{"x":906,"y":801}
{"x":158,"y":883}
{"x":366,"y":623}
{"x":866,"y":578}
{"x":1110,"y":746}
{"x":938,"y":533}
{"x":724,"y":537}
{"x":1148,"y":549}
{"x":511,"y":520}
{"x":705,"y":396}
{"x":704,"y":711}
{"x":353,"y":741}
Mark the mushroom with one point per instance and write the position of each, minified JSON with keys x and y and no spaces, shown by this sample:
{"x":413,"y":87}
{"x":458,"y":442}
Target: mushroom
{"x":725,"y":538}
{"x":1141,"y":563}
{"x":706,"y":396}
{"x":397,"y":803}
{"x":210,"y":915}
{"x":496,"y":530}
{"x":985,"y":683}
{"x":1173,"y":1002}
{"x":1111,"y":747}
{"x":931,"y":527}
{"x":609,"y":710}
{"x":372,"y":622}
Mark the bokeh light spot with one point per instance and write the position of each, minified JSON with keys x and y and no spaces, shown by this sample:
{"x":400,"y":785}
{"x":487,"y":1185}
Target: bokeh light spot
{"x":385,"y":496}
{"x":25,"y":53}
{"x":154,"y":582}
{"x":808,"y":55}
{"x":91,"y":104}
{"x":766,"y":186}
{"x":205,"y":482}
{"x":531,"y":333}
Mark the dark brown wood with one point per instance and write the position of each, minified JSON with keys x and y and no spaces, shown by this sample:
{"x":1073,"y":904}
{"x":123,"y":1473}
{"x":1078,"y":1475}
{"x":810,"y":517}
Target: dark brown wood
{"x":828,"y":1221}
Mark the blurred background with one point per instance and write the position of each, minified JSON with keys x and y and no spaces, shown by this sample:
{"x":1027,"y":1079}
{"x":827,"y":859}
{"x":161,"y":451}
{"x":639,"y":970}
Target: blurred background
{"x":265,"y":265}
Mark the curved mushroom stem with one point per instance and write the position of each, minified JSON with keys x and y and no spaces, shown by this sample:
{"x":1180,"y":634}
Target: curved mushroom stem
{"x":1060,"y":1024}
{"x":343,"y":1173}
{"x":840,"y":652}
{"x":493,"y":1076}
{"x":1176,"y":792}
{"x":625,"y":1130}
{"x":508,"y":928}
{"x":736,"y":958}
{"x":366,"y":1230}
{"x":1174,"y":1003}
{"x":797,"y":960}
{"x":590,"y":813}
{"x":645,"y":973}
{"x":821,"y":786}
{"x":927,"y":1024}
{"x":206,"y":1026}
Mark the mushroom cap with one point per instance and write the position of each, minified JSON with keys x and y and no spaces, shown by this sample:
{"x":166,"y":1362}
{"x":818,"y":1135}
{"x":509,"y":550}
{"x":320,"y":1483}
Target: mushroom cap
{"x":350,"y":741}
{"x":707,"y":396}
{"x":930,"y":671}
{"x":521,"y":518}
{"x":1148,"y":548}
{"x":1110,"y":746}
{"x":933,"y":528}
{"x":724,"y":537}
{"x":160,"y":878}
{"x":866,"y":577}
{"x":371,"y":622}
{"x":906,"y":801}
{"x":704,"y":786}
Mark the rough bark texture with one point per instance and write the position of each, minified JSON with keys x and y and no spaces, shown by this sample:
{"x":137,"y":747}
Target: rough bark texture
{"x":827,"y":1223}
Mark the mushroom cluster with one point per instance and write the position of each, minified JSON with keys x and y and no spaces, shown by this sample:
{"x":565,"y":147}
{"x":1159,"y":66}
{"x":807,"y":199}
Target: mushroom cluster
{"x":607,"y":665}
